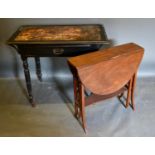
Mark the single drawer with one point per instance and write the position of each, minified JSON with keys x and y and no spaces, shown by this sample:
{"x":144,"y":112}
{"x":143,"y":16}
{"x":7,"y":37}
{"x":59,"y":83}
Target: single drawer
{"x":56,"y":50}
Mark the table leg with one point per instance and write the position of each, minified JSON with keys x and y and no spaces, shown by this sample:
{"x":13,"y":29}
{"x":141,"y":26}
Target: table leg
{"x":28,"y":80}
{"x":75,"y":97}
{"x":38,"y":68}
{"x":82,"y":105}
{"x":132,"y":92}
{"x":128,"y":100}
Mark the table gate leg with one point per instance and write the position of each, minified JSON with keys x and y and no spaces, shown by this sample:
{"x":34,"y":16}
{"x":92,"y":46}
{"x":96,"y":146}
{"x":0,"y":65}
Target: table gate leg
{"x":82,"y":105}
{"x":132,"y":92}
{"x":38,"y":68}
{"x":75,"y":97}
{"x":28,"y":80}
{"x":128,"y":100}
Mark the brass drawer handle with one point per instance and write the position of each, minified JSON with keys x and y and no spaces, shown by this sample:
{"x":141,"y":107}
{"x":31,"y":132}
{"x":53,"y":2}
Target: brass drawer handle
{"x":58,"y":51}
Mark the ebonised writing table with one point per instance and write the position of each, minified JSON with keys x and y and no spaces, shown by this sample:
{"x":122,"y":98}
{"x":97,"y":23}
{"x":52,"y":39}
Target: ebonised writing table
{"x":55,"y":41}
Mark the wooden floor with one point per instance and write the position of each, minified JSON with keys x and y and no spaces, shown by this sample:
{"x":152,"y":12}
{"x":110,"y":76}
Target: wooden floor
{"x":53,"y":115}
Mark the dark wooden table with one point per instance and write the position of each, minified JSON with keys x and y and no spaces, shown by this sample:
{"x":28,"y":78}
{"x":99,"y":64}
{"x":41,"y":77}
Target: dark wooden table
{"x":55,"y":41}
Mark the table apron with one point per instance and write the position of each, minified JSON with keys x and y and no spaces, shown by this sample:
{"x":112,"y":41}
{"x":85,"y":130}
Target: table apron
{"x":55,"y":51}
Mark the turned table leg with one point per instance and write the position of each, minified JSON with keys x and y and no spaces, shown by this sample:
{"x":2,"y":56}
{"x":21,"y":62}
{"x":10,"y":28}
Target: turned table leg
{"x":79,"y":99}
{"x":38,"y":68}
{"x":28,"y":80}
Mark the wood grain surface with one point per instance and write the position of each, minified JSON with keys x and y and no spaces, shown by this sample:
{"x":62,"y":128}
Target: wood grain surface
{"x":106,"y":71}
